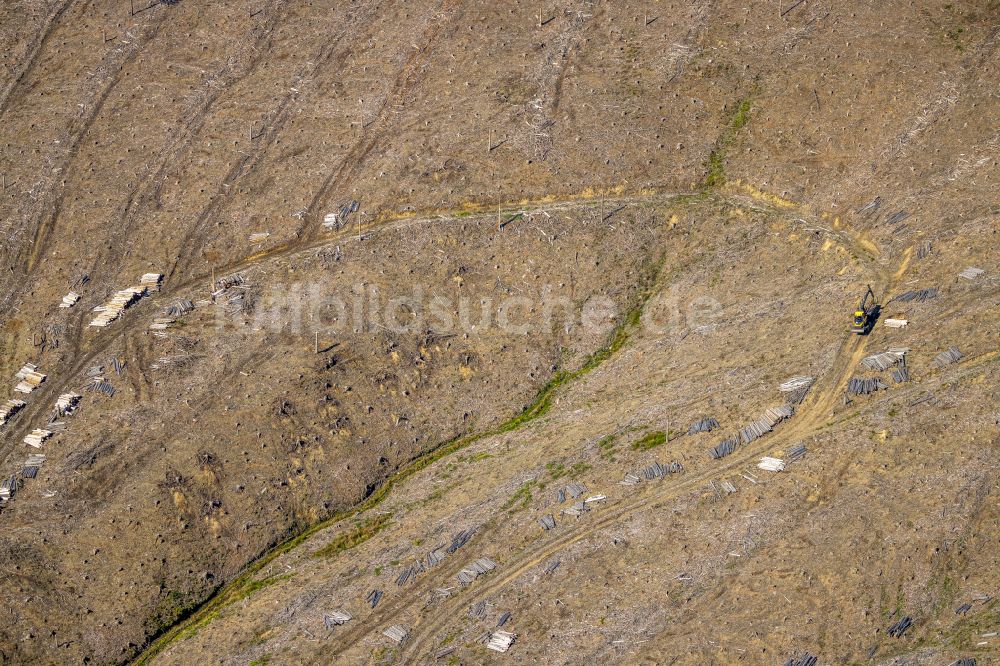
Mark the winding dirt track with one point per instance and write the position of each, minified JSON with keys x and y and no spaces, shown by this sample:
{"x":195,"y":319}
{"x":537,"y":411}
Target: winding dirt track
{"x":86,"y":345}
{"x":810,"y":417}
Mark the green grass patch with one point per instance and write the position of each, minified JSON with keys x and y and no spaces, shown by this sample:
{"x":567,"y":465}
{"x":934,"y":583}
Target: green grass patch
{"x":971,"y":627}
{"x":606,"y":446}
{"x":355,"y":537}
{"x":716,"y":170}
{"x":742,"y":116}
{"x":715,"y":166}
{"x":555,"y":470}
{"x":249,"y":587}
{"x":559,"y":470}
{"x":521,"y":498}
{"x":650,"y":440}
{"x":169,"y":610}
{"x":955,"y":35}
{"x":257,"y":585}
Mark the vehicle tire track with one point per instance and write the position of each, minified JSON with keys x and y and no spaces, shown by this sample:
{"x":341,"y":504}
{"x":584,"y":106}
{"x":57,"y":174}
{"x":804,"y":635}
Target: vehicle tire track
{"x":286,"y":250}
{"x":817,"y":407}
{"x":41,"y":39}
{"x":406,"y":79}
{"x":85,"y":354}
{"x":195,"y":235}
{"x":811,"y":416}
{"x":416,"y":648}
{"x":147,"y":191}
{"x":46,"y":223}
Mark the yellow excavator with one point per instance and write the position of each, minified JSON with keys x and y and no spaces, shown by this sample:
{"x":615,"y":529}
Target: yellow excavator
{"x":867,"y":313}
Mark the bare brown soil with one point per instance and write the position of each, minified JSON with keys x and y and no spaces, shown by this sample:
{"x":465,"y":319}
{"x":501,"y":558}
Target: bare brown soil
{"x":657,"y":156}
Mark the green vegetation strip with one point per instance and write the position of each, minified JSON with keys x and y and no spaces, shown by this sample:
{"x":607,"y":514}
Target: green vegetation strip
{"x":715,"y":168}
{"x":650,"y":440}
{"x":198,"y":616}
{"x":355,"y":537}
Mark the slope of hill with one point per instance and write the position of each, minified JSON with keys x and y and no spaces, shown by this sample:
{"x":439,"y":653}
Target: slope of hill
{"x":580,"y":229}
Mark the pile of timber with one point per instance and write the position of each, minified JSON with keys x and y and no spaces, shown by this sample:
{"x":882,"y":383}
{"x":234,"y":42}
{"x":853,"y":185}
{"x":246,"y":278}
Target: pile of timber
{"x":796,"y":452}
{"x":434,"y":557}
{"x":971,"y":273}
{"x":224,"y":283}
{"x":66,"y":403}
{"x":796,"y":388}
{"x":901,"y":627}
{"x":885,"y":360}
{"x":8,"y":487}
{"x":864,"y":386}
{"x":630,"y":479}
{"x":69,"y":300}
{"x":36,"y":437}
{"x":460,"y":539}
{"x":547,"y":522}
{"x":501,"y":641}
{"x":396,"y":633}
{"x":103,"y":386}
{"x":765,"y":424}
{"x":918,"y":295}
{"x":898,"y":216}
{"x":948,"y":357}
{"x":575,"y":489}
{"x":478,"y":611}
{"x":805,"y":660}
{"x":29,"y":378}
{"x":724,"y":448}
{"x":179,"y":308}
{"x":336,"y":219}
{"x":707,"y":424}
{"x":795,"y":383}
{"x":31,"y":466}
{"x":10,"y":408}
{"x":410,"y":572}
{"x":895,"y":323}
{"x":476,"y":569}
{"x":151,"y":281}
{"x":658,"y":471}
{"x":335,"y":618}
{"x":770,"y":464}
{"x":576,"y":509}
{"x":113,"y":309}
